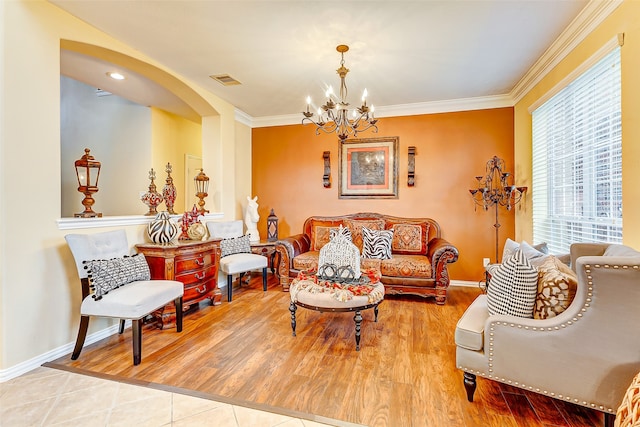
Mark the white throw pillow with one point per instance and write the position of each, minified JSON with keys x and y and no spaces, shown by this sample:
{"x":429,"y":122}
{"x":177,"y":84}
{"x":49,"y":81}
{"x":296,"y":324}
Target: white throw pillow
{"x":513,"y":287}
{"x":530,"y":251}
{"x":510,"y":248}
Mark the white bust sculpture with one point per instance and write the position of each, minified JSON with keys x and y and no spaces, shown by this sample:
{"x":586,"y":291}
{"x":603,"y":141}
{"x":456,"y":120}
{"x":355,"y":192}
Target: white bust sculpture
{"x":251,"y":218}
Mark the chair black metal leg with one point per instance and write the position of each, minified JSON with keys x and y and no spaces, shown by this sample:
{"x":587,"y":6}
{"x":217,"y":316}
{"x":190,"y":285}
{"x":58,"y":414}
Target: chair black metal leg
{"x":121,"y":329}
{"x":470,"y":385}
{"x":136,"y":327}
{"x":292,"y":309}
{"x":358,"y":320}
{"x":229,"y":287}
{"x":82,"y":334}
{"x":264,"y":279}
{"x":179,"y":314}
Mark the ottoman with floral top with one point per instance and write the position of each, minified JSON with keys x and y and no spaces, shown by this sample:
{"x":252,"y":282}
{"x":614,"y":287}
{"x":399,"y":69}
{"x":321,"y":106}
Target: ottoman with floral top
{"x":338,"y":285}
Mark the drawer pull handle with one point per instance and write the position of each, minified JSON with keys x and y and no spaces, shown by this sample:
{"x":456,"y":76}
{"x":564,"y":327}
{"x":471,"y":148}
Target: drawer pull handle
{"x":204,"y":289}
{"x":200,"y":262}
{"x":200,"y":277}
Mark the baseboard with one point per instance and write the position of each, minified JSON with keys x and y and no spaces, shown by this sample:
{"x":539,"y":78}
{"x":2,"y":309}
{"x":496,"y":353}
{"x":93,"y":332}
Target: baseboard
{"x":31,"y":364}
{"x":465,"y":283}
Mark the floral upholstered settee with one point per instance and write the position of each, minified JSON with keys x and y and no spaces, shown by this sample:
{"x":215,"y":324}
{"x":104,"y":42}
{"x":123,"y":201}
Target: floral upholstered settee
{"x":419,"y":254}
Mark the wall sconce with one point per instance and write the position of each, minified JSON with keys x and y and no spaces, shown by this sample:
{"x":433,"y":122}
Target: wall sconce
{"x":272,"y":227}
{"x":411,"y":171}
{"x":201,"y":182}
{"x":87,"y":172}
{"x":326,"y":178}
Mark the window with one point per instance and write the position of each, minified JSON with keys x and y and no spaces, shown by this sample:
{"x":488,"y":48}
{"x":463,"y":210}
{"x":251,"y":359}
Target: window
{"x":577,"y":160}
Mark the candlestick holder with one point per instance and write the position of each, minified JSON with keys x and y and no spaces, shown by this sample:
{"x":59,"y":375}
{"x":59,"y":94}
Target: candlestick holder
{"x":494,"y":189}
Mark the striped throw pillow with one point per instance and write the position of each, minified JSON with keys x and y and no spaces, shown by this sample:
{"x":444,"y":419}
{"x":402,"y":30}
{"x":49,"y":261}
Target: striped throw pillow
{"x":513,"y":287}
{"x":376,"y":243}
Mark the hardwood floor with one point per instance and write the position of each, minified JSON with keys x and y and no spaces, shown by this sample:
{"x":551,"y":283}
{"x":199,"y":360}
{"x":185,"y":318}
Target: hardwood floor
{"x":404,"y":374}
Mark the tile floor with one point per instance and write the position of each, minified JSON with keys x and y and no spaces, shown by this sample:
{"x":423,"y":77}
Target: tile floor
{"x":52,"y":397}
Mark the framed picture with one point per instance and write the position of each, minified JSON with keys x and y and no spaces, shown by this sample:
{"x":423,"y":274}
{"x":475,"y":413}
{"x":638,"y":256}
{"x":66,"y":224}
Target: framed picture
{"x":368,"y":168}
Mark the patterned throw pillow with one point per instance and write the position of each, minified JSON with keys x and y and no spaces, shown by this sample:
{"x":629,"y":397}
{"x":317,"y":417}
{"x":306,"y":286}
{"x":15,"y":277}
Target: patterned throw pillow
{"x":108,"y":274}
{"x":409,"y":238}
{"x":320,"y":236}
{"x":235,"y":245}
{"x":340,"y":231}
{"x":377,"y":243}
{"x":355,"y":226}
{"x":557,"y":285}
{"x":320,"y":232}
{"x":512,"y":288}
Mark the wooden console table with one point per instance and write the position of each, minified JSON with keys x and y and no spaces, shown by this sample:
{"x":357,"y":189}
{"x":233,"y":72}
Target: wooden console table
{"x":194,"y":263}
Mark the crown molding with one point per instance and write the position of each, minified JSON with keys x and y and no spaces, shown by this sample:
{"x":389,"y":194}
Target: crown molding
{"x":587,"y":20}
{"x":242,"y":117}
{"x":448,"y":106}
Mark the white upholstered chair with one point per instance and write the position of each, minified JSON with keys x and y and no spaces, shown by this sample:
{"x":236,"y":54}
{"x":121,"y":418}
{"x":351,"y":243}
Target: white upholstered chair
{"x":238,"y":263}
{"x":586,"y":355}
{"x":134,"y":300}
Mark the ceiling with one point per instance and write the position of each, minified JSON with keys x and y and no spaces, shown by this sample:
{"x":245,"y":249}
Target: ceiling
{"x":403,"y":52}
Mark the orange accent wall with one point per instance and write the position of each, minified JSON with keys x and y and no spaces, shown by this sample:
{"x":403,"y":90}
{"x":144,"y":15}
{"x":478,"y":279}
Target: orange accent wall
{"x":451,"y":149}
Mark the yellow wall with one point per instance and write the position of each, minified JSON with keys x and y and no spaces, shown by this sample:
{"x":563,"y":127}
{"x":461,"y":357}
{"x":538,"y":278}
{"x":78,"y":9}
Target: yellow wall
{"x":173,"y":137}
{"x":38,"y":282}
{"x":452,"y":149}
{"x":625,"y":19}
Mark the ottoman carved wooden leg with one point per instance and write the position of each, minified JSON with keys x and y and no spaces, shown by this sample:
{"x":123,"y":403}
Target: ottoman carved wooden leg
{"x":292,"y":309}
{"x":314,"y":296}
{"x":358,"y":320}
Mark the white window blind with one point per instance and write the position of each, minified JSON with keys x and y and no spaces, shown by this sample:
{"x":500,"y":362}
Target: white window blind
{"x":577,"y":160}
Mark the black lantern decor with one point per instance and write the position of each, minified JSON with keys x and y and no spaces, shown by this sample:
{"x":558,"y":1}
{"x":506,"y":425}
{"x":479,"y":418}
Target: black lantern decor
{"x":272,"y":227}
{"x":87,"y":172}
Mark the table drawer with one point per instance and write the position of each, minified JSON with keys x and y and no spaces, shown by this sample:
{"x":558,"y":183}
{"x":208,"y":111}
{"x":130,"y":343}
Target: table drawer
{"x":198,"y":290}
{"x":201,"y":275}
{"x":195,"y":262}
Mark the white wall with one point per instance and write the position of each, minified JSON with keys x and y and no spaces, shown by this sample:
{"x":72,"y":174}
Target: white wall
{"x":118,"y":133}
{"x":39,"y":287}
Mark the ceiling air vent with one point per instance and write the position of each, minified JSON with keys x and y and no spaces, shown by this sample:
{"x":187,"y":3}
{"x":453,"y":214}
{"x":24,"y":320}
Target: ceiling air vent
{"x":225,"y":79}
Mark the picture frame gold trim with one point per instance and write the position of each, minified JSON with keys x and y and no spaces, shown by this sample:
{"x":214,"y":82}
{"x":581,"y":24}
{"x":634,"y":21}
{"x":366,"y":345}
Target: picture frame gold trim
{"x":368,"y":168}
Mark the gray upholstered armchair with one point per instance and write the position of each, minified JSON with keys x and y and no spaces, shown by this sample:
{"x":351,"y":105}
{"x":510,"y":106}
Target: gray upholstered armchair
{"x":587,"y":355}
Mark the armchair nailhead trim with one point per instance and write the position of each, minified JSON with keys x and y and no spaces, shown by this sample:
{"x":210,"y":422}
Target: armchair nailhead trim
{"x":586,"y":305}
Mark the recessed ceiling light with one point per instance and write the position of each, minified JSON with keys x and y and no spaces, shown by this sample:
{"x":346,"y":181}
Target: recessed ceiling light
{"x":115,"y":75}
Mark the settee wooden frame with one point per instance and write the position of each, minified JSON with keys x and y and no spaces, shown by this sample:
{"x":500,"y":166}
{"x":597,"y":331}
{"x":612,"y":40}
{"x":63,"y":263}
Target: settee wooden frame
{"x":439,"y":251}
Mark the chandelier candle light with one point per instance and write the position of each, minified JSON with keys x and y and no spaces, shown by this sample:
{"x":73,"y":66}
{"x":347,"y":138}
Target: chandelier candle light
{"x":494,"y":190}
{"x":334,"y":116}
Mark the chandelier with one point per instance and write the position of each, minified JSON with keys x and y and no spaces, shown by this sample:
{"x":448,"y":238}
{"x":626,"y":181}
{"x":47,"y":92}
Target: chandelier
{"x":334,"y":116}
